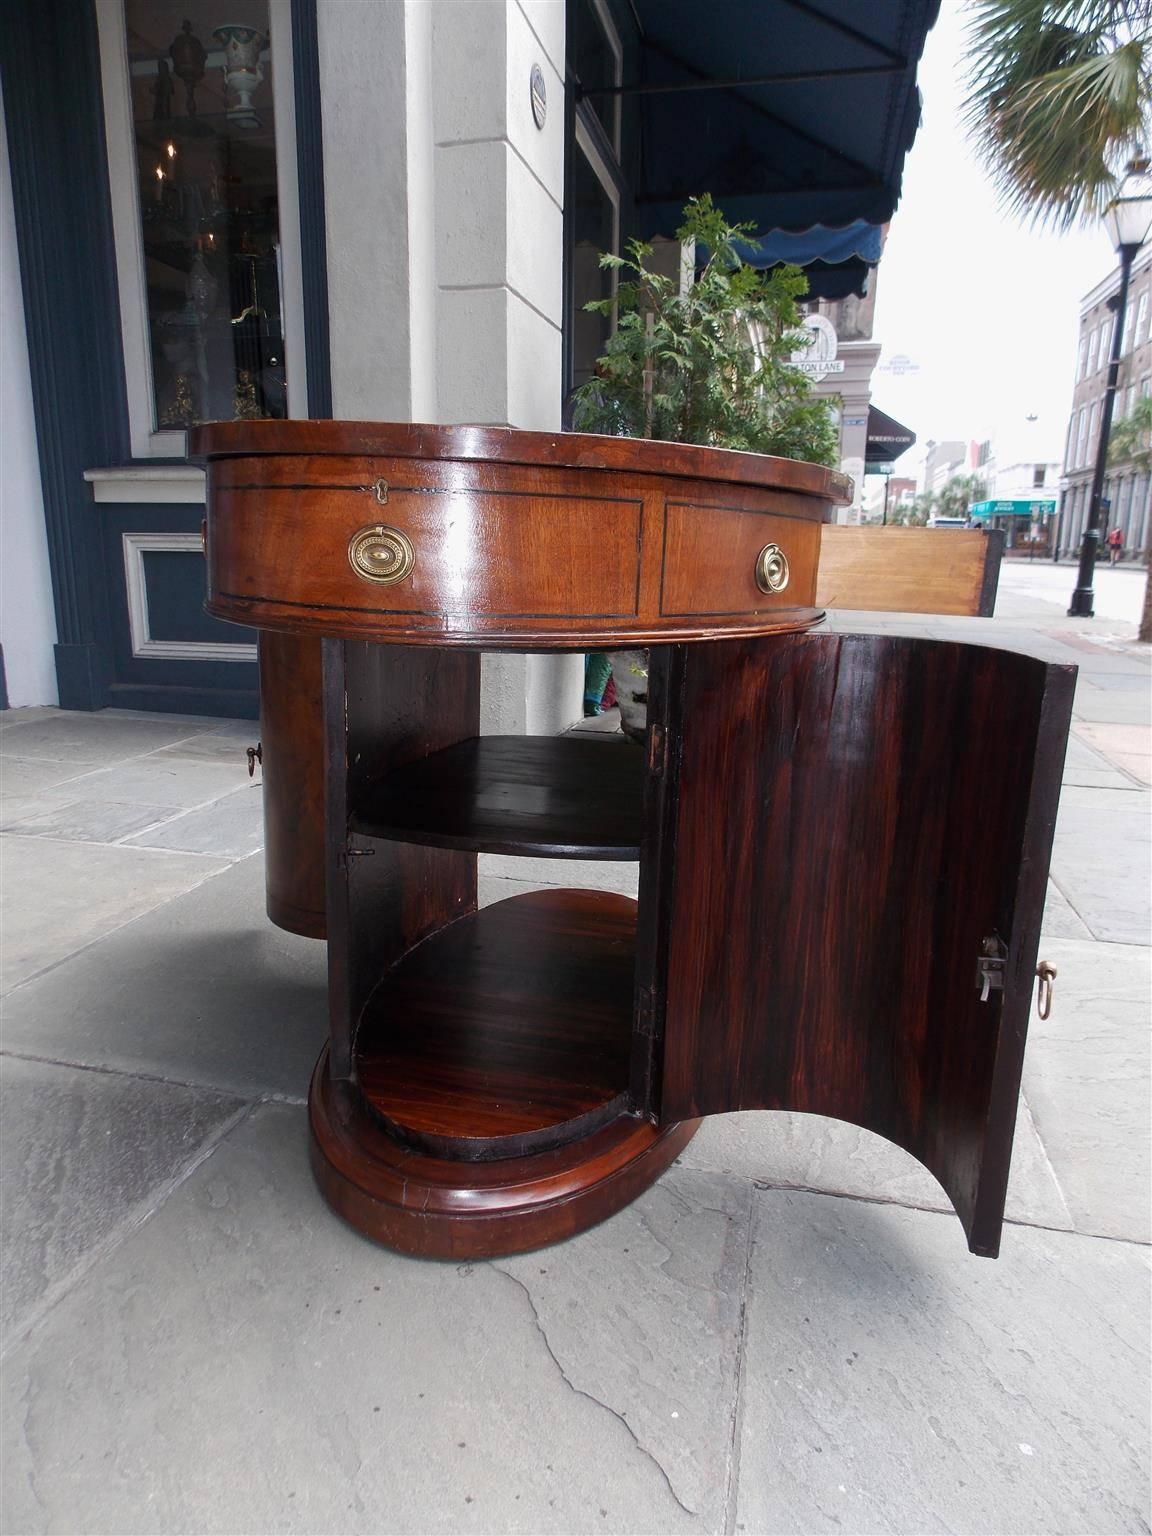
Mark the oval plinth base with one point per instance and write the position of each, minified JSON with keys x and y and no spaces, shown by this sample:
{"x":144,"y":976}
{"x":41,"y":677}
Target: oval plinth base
{"x":443,"y":1208}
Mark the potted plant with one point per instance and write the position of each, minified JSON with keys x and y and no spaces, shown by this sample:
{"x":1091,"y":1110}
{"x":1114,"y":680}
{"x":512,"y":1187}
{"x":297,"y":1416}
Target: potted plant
{"x":707,"y":362}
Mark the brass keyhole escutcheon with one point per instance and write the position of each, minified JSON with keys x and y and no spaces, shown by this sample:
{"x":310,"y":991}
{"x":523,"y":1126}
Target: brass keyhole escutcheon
{"x":381,"y":554}
{"x":772,"y":569}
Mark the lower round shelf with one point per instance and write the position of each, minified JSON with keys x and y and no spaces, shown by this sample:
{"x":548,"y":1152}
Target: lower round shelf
{"x":445,"y":1208}
{"x":509,"y":1031}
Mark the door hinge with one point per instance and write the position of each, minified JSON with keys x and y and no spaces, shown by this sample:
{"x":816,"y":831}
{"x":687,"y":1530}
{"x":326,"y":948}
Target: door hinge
{"x":991,"y":966}
{"x":349,"y":852}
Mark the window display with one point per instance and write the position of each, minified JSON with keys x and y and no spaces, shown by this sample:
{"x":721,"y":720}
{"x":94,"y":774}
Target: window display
{"x":206,"y":163}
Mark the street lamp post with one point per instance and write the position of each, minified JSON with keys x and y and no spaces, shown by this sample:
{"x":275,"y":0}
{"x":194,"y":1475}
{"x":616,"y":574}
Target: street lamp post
{"x":1128,"y":219}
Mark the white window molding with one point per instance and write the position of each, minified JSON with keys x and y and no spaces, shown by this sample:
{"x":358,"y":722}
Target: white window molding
{"x":136,"y":546}
{"x":147,"y":441}
{"x":616,"y":48}
{"x":602,"y":171}
{"x":160,"y":483}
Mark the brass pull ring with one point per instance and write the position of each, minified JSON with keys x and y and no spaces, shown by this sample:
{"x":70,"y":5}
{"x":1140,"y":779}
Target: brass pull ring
{"x":772,"y":571}
{"x":1047,"y":975}
{"x":381,"y":554}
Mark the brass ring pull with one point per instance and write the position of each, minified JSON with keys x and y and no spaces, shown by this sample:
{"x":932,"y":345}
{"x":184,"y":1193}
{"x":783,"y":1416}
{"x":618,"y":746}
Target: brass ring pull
{"x":1047,"y":975}
{"x":381,"y":554}
{"x":772,"y":569}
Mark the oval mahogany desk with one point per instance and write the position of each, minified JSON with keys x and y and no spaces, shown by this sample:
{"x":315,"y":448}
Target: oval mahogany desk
{"x":843,"y":840}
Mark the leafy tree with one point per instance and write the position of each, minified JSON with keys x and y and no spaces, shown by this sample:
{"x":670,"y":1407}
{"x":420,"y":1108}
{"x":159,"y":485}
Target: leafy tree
{"x":1059,"y":100}
{"x":711,"y":365}
{"x":1131,"y":440}
{"x":915,"y":514}
{"x":957,"y":495}
{"x":1131,"y":443}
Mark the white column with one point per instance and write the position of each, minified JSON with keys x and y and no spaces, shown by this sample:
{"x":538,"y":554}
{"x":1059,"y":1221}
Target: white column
{"x":363,"y":101}
{"x":444,"y":204}
{"x":27,"y":614}
{"x":499,"y":226}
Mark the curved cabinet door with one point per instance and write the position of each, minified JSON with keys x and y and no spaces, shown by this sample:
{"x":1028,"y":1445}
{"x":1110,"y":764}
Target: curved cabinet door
{"x":848,"y":823}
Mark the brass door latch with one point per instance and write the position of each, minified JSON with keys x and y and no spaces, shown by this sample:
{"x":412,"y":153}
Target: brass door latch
{"x":990,"y":967}
{"x":990,"y":971}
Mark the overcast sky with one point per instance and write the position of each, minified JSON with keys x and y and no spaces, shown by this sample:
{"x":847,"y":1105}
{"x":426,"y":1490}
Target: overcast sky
{"x":987,"y":306}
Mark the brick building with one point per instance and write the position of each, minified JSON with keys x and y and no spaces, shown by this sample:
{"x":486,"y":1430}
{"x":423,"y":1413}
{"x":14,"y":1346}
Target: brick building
{"x":1128,"y":493}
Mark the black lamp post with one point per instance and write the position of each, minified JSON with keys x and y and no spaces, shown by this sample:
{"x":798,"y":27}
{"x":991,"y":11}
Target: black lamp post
{"x":1128,"y":219}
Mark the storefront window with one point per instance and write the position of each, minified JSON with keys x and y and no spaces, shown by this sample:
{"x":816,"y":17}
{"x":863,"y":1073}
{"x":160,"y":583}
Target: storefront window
{"x":202,"y":120}
{"x":595,"y":58}
{"x":593,"y":226}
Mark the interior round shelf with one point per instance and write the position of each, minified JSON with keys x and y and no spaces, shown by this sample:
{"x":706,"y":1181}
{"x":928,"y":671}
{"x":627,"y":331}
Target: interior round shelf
{"x":546,"y":796}
{"x":507,"y":1032}
{"x":560,"y":796}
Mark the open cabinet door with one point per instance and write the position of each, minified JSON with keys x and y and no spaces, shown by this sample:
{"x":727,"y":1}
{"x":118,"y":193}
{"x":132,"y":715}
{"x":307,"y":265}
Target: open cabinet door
{"x":851,"y":857}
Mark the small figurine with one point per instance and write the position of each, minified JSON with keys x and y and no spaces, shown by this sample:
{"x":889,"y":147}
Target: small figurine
{"x":245,"y":406}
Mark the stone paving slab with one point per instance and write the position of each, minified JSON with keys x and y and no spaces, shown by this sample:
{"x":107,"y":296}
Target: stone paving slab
{"x":179,"y":782}
{"x":85,"y":1155}
{"x":1061,"y":920}
{"x":1086,"y":766}
{"x":227,"y":743}
{"x":24,"y":776}
{"x":232,"y":826}
{"x":245,"y":1363}
{"x":1100,"y":706}
{"x":535,"y":874}
{"x":1087,"y":1081}
{"x":108,"y":736}
{"x":58,"y":897}
{"x":1102,"y":859}
{"x":895,"y":1384}
{"x":1127,"y":747}
{"x":811,"y":1152}
{"x":202,"y":990}
{"x":88,"y":821}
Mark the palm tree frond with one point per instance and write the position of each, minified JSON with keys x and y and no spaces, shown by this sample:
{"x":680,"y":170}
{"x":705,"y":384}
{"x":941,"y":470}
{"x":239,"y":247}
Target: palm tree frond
{"x":1059,"y":100}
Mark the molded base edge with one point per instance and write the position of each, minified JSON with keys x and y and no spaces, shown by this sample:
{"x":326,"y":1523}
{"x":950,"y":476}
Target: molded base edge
{"x":441,"y":1208}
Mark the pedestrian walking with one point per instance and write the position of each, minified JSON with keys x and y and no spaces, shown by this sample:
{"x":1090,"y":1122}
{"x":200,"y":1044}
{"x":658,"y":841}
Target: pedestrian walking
{"x":1115,"y":546}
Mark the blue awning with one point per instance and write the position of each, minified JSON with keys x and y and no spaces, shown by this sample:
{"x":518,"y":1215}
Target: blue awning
{"x":859,"y":240}
{"x":837,"y":261}
{"x":796,"y":115}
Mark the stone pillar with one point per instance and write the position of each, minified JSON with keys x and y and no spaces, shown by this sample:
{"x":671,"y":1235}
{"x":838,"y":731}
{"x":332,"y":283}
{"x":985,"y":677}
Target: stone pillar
{"x":854,"y":387}
{"x":444,"y":203}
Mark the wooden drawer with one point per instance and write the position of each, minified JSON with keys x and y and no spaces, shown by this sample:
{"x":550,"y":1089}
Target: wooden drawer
{"x":474,"y":554}
{"x":478,"y":552}
{"x":711,"y":555}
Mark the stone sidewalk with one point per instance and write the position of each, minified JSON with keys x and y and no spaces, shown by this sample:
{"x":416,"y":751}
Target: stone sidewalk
{"x":786,"y":1334}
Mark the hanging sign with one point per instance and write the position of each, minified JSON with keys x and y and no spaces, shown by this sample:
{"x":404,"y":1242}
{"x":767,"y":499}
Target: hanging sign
{"x":819,"y":359}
